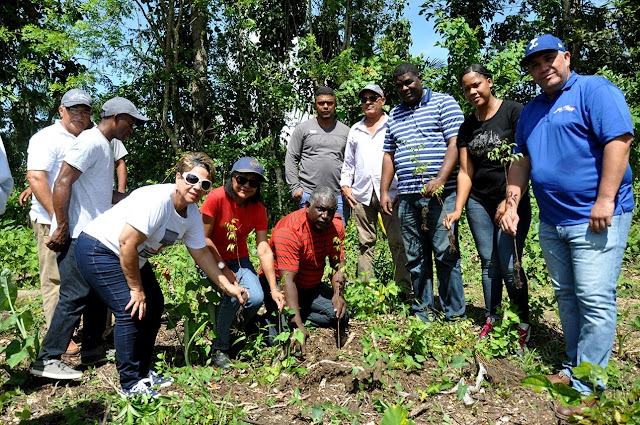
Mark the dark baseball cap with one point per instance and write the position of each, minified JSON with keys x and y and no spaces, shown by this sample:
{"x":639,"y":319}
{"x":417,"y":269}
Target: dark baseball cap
{"x":249,"y":165}
{"x":120,"y":105}
{"x":538,"y":44}
{"x":76,"y":97}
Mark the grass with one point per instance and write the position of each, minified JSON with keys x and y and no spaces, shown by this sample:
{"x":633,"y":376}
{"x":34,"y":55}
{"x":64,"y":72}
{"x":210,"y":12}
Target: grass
{"x":393,"y":360}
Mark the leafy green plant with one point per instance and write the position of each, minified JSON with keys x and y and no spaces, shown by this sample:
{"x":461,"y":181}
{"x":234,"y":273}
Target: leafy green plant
{"x":18,"y":252}
{"x":26,"y":342}
{"x":504,"y":338}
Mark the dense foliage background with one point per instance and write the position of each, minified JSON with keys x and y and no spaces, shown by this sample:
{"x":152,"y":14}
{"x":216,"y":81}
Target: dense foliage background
{"x":233,"y":78}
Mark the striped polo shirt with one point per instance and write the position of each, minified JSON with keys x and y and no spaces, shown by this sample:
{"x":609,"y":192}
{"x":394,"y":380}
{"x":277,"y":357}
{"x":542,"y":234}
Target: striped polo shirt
{"x":297,"y":248}
{"x":418,"y":137}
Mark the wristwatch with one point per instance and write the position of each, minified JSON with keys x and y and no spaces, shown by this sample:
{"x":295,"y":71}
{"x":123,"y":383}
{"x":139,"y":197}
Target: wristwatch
{"x":221,"y":265}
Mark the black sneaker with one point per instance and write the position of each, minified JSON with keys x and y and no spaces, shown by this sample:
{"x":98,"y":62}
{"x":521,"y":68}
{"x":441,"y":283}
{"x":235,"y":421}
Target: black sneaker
{"x":221,"y":359}
{"x":93,"y":356}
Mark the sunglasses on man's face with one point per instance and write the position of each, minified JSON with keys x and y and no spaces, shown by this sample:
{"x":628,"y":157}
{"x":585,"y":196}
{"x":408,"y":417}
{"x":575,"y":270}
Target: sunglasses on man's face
{"x":242,"y":180}
{"x":192,"y":180}
{"x":371,"y":99}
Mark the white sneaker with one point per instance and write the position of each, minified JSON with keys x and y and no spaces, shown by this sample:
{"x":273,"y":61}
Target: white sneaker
{"x":156,"y":379}
{"x":140,"y":388}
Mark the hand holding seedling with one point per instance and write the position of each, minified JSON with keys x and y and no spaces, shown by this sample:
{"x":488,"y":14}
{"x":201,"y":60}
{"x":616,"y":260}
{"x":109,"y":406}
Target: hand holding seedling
{"x":502,"y":207}
{"x":339,"y":305}
{"x":433,"y":186}
{"x":451,"y":218}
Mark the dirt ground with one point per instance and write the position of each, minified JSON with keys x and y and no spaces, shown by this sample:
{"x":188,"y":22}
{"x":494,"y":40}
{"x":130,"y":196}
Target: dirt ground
{"x":329,"y":378}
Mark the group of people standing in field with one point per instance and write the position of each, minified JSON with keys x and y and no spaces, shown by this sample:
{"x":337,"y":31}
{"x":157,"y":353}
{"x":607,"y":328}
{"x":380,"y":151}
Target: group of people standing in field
{"x":418,"y":167}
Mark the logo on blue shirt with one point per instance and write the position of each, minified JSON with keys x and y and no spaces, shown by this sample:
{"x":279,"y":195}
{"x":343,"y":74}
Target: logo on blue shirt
{"x":564,"y":108}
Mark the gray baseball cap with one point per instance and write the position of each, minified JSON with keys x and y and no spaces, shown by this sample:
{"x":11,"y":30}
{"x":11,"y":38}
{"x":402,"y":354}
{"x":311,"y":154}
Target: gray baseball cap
{"x":120,"y":105}
{"x":372,"y":87}
{"x":76,"y":97}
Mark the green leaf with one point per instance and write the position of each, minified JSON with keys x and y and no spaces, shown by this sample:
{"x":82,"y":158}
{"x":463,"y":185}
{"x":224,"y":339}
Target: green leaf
{"x":316,"y":413}
{"x":462,"y":390}
{"x":459,"y":362}
{"x":396,"y":415}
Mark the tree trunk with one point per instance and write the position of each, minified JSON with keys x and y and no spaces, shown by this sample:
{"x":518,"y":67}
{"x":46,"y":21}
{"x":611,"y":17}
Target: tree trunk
{"x":199,"y":81}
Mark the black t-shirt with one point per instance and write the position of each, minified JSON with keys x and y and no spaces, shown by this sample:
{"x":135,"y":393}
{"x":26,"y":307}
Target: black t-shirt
{"x":480,"y":138}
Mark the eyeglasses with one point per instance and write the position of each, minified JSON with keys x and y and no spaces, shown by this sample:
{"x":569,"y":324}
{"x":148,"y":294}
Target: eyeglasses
{"x":242,"y":180}
{"x":371,"y":99}
{"x":192,"y":180}
{"x":77,"y":111}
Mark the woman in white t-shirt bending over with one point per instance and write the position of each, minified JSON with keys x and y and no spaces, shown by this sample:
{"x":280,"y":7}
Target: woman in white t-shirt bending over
{"x":112,"y":255}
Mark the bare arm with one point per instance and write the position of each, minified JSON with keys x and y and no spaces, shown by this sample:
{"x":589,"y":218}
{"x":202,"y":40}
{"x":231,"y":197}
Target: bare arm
{"x":61,"y":199}
{"x":465,"y":181}
{"x":121,"y":173}
{"x":516,"y":185}
{"x":614,"y":165}
{"x":448,"y":164}
{"x":337,"y":283}
{"x":266,"y":262}
{"x":129,"y":239}
{"x":388,"y":170}
{"x":40,"y":187}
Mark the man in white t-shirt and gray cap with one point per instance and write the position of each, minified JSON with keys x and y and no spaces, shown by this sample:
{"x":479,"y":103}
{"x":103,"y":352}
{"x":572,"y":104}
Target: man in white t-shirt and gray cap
{"x":82,"y":191}
{"x":46,"y":151}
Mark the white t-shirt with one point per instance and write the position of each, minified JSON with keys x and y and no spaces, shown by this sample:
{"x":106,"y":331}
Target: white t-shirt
{"x":91,"y":194}
{"x":119,"y":151}
{"x":46,"y":151}
{"x":151,"y":211}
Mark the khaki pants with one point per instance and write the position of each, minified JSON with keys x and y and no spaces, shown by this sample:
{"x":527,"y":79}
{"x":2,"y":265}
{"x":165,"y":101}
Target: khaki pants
{"x":49,"y":275}
{"x":366,"y":219}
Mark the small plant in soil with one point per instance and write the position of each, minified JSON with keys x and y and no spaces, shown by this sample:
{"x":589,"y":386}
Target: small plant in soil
{"x":504,"y":154}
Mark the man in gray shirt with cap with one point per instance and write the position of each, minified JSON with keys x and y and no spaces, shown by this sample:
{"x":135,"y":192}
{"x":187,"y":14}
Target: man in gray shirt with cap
{"x":82,"y":191}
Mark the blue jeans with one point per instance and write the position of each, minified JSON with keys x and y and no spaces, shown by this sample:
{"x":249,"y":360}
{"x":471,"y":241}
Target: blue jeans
{"x":315,"y":306}
{"x":134,"y":338}
{"x":420,"y":246}
{"x":226,"y":311}
{"x":343,"y":207}
{"x":496,"y":255}
{"x":76,"y":300}
{"x":584,"y":269}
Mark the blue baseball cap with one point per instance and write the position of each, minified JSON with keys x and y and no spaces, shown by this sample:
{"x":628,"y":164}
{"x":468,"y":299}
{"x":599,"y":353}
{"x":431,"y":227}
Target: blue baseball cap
{"x":538,"y":44}
{"x":249,"y":165}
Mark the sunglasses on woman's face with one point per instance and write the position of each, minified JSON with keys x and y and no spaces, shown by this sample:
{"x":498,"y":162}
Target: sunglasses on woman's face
{"x":242,"y":180}
{"x":192,"y":180}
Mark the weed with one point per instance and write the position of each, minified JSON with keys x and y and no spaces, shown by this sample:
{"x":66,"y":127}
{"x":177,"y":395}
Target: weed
{"x":26,"y":342}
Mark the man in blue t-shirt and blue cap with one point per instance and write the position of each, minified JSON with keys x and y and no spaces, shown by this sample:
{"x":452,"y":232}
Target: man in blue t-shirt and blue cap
{"x":575,"y":138}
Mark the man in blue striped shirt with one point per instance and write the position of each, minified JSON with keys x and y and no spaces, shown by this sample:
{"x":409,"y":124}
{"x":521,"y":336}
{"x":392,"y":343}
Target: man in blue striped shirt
{"x":420,"y":147}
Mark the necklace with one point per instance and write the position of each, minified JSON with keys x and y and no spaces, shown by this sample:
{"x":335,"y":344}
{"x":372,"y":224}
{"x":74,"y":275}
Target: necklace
{"x":491,"y":110}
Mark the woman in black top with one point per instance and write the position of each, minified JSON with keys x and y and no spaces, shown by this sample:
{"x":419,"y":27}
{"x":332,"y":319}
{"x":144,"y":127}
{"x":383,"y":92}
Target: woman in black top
{"x":481,"y":186}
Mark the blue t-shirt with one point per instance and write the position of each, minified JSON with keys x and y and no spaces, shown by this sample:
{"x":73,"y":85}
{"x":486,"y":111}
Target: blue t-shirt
{"x":565,"y":137}
{"x":418,"y":137}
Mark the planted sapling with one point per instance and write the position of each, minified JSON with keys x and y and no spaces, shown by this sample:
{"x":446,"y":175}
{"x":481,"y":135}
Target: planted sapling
{"x":504,"y":154}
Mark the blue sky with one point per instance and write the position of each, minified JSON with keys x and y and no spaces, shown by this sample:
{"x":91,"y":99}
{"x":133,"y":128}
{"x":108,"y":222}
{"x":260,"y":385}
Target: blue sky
{"x":422,"y":33}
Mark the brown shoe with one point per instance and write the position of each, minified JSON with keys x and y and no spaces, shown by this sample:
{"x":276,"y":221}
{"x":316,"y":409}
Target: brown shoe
{"x":72,"y":349}
{"x":560,"y":377}
{"x":564,"y":412}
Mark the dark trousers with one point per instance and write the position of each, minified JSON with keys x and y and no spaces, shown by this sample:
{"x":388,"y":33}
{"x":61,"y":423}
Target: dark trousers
{"x":76,"y":299}
{"x":134,"y":338}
